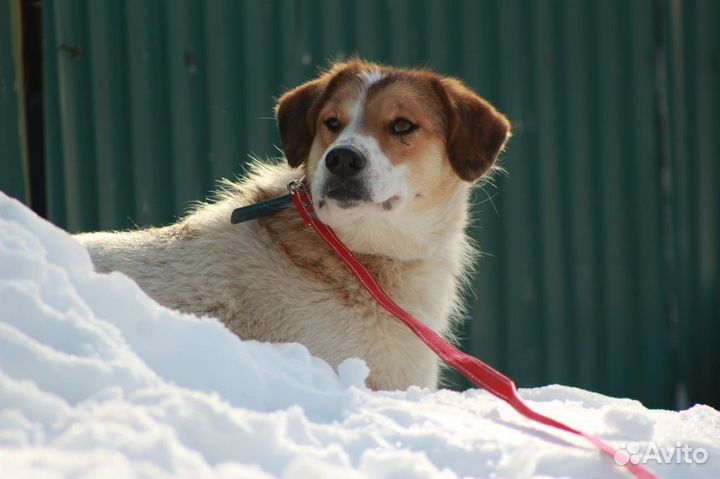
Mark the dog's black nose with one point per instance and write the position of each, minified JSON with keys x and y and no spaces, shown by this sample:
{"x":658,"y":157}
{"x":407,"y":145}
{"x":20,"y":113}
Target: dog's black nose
{"x":345,"y":161}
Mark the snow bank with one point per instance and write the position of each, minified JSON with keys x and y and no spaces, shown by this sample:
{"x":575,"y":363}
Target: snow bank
{"x":97,"y":380}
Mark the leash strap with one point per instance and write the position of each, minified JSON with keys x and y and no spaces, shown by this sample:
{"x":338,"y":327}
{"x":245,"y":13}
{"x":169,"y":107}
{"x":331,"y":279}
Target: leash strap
{"x":472,"y":368}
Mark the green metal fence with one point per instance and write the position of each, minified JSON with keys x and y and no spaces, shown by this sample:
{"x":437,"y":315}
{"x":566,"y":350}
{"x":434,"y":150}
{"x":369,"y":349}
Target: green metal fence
{"x":13,"y":153}
{"x":694,"y":150}
{"x":603,"y":243}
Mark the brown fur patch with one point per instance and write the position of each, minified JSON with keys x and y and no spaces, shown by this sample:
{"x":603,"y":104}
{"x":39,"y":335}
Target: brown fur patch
{"x":306,"y":250}
{"x":296,"y":134}
{"x":477,"y":132}
{"x":297,"y":110}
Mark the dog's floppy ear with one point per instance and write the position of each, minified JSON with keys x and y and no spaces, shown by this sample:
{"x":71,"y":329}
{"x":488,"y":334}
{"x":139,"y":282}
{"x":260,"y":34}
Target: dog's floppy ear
{"x":476,"y":131}
{"x":295,"y":125}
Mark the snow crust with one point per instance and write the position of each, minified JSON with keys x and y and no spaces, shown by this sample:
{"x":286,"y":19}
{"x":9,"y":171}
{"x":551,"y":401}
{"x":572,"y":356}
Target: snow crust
{"x":97,"y":380}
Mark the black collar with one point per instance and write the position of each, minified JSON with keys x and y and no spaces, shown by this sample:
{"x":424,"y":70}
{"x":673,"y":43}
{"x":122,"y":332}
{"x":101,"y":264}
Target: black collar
{"x":260,"y":210}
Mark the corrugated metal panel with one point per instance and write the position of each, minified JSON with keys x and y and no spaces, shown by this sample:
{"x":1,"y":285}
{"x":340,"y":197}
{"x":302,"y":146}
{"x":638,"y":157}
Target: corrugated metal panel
{"x":694,"y":78}
{"x":13,"y":154}
{"x":149,"y":102}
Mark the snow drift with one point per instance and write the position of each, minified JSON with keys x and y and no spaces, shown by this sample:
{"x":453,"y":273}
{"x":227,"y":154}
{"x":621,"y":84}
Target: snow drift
{"x":97,"y":380}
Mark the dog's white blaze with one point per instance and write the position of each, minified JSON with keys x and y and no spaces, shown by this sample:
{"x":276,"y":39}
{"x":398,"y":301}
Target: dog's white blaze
{"x":382,"y":178}
{"x":370,"y":77}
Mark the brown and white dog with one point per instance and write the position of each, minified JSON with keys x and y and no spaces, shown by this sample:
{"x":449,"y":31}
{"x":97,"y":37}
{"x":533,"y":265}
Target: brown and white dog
{"x":389,"y":155}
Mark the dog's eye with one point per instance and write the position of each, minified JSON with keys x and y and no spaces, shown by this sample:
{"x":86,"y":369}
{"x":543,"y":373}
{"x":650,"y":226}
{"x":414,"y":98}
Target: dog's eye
{"x":402,"y":126}
{"x":332,"y":124}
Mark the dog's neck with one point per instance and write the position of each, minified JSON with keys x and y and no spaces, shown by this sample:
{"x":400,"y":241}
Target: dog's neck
{"x":402,"y":238}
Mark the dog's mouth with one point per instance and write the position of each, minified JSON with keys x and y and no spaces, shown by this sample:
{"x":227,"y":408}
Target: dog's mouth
{"x":346,"y":194}
{"x":350,"y":194}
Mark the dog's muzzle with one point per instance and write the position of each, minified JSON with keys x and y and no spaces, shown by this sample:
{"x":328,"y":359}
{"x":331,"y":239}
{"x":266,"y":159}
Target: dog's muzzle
{"x":345,"y":165}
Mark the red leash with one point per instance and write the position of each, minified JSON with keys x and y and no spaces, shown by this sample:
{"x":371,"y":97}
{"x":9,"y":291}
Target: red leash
{"x":472,"y":368}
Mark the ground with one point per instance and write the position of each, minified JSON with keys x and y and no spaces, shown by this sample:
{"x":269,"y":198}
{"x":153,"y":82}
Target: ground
{"x":97,"y":380}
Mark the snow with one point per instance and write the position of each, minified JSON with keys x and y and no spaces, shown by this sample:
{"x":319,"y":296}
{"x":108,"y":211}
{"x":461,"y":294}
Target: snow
{"x":97,"y":380}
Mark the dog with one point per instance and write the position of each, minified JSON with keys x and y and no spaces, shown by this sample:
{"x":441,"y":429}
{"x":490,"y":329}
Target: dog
{"x":389,"y":156}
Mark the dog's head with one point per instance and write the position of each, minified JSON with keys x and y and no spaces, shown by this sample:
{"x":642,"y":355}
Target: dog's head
{"x":378,"y":141}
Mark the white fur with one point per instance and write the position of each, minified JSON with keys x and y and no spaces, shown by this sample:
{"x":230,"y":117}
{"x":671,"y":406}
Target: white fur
{"x":371,"y":76}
